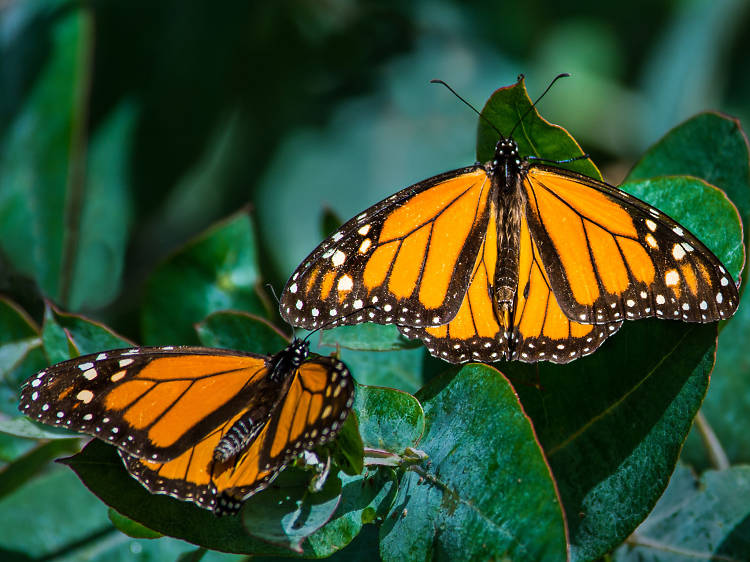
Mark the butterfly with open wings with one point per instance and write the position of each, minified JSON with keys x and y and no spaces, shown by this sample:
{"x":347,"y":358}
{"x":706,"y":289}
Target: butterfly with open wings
{"x":511,"y":259}
{"x":210,"y":426}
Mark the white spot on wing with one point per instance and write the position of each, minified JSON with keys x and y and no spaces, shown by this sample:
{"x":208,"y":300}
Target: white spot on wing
{"x":338,"y":258}
{"x":345,"y":283}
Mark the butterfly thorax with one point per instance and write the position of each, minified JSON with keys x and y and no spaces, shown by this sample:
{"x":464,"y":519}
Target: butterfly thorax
{"x":287,"y":361}
{"x":506,"y":171}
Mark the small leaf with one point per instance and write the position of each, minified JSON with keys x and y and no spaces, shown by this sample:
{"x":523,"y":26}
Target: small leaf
{"x":131,"y":528}
{"x":24,"y":427}
{"x":699,"y":520}
{"x":216,"y":271}
{"x":535,"y":136}
{"x":287,"y":513}
{"x":231,"y":329}
{"x":88,"y":336}
{"x":389,"y":419}
{"x":485,"y":480}
{"x":329,"y":222}
{"x":348,"y":450}
{"x":368,"y":337}
{"x":100,"y":468}
{"x":364,"y":499}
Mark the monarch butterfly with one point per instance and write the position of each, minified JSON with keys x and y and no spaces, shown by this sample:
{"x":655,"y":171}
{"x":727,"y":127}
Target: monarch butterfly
{"x":210,"y":426}
{"x":509,"y":259}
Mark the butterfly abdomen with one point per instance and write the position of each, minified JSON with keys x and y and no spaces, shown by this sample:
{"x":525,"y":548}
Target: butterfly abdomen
{"x":241,"y":434}
{"x":509,"y":200}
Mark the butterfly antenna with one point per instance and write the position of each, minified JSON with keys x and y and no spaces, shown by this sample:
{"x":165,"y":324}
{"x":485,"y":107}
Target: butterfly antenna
{"x":474,"y":109}
{"x":273,"y":292}
{"x":533,"y":105}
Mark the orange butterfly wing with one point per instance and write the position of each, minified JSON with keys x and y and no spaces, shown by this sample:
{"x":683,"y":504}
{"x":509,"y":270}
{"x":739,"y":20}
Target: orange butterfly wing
{"x":609,"y":256}
{"x":315,"y":406}
{"x":406,"y":259}
{"x":541,"y":331}
{"x":168,"y":408}
{"x":153,"y":402}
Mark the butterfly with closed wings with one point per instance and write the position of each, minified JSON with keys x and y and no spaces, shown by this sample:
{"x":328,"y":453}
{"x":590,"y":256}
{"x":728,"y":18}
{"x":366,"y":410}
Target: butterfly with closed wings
{"x":210,"y":426}
{"x":510,"y":259}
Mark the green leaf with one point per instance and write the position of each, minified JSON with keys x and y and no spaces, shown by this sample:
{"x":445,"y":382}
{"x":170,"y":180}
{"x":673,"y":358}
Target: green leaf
{"x":680,"y":196}
{"x":709,"y":146}
{"x":364,"y":499}
{"x":696,"y":520}
{"x":19,"y":337}
{"x":131,"y":528}
{"x":348,"y":450}
{"x":20,"y":471}
{"x":85,"y":335}
{"x":102,"y":471}
{"x":535,"y":136}
{"x":63,"y":188}
{"x":612,"y":424}
{"x":230,"y":329}
{"x":396,"y":369}
{"x":368,"y":337}
{"x":389,"y":419}
{"x":20,"y":357}
{"x":329,"y":222}
{"x":288,"y":512}
{"x":713,"y":147}
{"x":216,"y":271}
{"x":24,"y":427}
{"x":49,"y":514}
{"x":485,"y":482}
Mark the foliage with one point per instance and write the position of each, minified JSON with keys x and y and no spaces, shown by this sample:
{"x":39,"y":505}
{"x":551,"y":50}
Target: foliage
{"x":518,"y":461}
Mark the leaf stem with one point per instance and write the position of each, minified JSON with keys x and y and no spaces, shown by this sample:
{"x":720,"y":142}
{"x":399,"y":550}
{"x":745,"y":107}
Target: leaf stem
{"x":716,"y":452}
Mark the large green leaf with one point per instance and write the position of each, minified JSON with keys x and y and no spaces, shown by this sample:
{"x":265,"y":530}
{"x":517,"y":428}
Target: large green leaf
{"x":63,"y":188}
{"x":287,"y":513}
{"x":509,"y":110}
{"x":484,"y":484}
{"x":216,"y":271}
{"x":20,"y":356}
{"x":706,"y":519}
{"x":680,"y":196}
{"x":368,"y":337}
{"x":230,"y":329}
{"x":396,"y":369}
{"x":713,"y":147}
{"x":49,"y":514}
{"x":102,"y":471}
{"x":577,"y":418}
{"x":612,"y":424}
{"x":62,"y":331}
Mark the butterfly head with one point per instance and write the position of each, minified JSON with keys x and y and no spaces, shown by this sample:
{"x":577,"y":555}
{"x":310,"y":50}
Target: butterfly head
{"x":289,"y":360}
{"x":506,"y":150}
